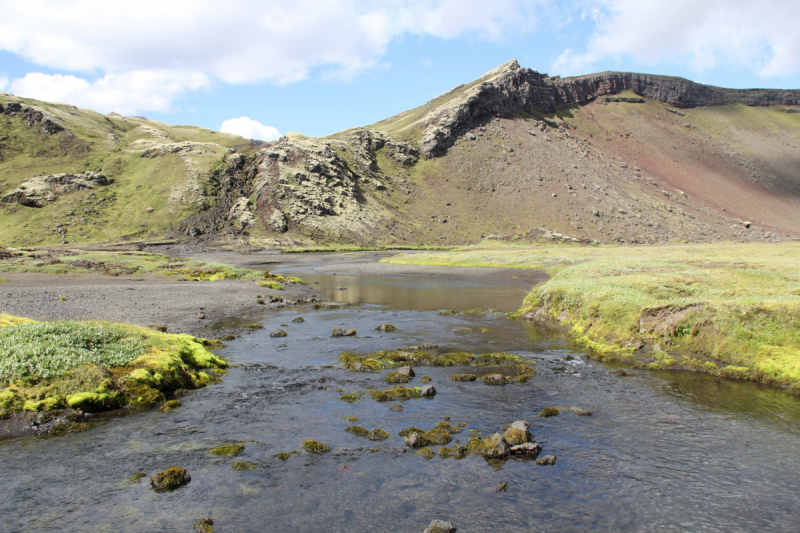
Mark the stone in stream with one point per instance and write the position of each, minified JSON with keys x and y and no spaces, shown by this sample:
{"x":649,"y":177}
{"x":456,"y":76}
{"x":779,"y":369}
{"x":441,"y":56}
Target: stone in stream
{"x":428,"y":391}
{"x":546,"y":460}
{"x":528,"y":448}
{"x":495,"y":379}
{"x":514,"y":436}
{"x":495,"y":446}
{"x":417,"y":440}
{"x":339,"y":332}
{"x":278,"y":333}
{"x":170,"y":479}
{"x":206,"y":525}
{"x":386,"y":327}
{"x":548,"y":412}
{"x":406,"y":371}
{"x":580,"y":412}
{"x":378,"y":434}
{"x":396,"y":408}
{"x":440,"y":526}
{"x":299,"y":319}
{"x":397,"y":377}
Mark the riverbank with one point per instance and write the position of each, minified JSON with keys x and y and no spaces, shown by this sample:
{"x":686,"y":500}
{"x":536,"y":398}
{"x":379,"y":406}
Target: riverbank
{"x":727,"y":309}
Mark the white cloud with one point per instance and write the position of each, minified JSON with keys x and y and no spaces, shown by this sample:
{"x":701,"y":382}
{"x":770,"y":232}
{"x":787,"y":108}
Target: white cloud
{"x":250,"y":129}
{"x":127,"y":93}
{"x":757,"y":34}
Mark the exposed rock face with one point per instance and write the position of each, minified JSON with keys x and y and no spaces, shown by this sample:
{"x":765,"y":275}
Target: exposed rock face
{"x":41,"y":190}
{"x":34,"y":118}
{"x":510,"y":88}
{"x":241,"y":215}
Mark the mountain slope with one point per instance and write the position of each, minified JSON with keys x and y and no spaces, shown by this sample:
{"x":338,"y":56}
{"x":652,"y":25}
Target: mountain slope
{"x":611,"y":157}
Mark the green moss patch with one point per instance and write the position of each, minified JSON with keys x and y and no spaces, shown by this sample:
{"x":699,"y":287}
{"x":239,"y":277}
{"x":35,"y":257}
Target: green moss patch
{"x":227,"y":450}
{"x":313,"y":446}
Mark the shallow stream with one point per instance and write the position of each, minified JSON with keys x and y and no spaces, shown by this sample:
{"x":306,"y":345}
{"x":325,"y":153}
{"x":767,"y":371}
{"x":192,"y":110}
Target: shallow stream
{"x":662,"y":451}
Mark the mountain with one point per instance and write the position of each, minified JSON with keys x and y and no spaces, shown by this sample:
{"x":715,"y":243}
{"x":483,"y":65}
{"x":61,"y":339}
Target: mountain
{"x":610,"y":157}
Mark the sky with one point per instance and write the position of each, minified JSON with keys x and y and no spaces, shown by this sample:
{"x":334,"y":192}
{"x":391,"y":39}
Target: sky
{"x":262,"y":68}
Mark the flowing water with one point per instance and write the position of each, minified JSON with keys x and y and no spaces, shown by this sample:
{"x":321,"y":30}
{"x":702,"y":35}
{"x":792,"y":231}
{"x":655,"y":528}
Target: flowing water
{"x":662,"y":452}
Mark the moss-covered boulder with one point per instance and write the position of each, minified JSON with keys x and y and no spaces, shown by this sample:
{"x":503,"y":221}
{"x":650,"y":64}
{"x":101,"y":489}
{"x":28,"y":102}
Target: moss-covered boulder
{"x":495,"y":379}
{"x":464,"y":377}
{"x":312,"y":446}
{"x":418,"y":440}
{"x":455,"y":451}
{"x":386,"y":328}
{"x":409,"y":431}
{"x":244,"y":465}
{"x":397,"y":393}
{"x":299,"y":319}
{"x":170,"y":406}
{"x":448,"y":427}
{"x":349,"y":398}
{"x":339,"y":332}
{"x":397,"y":377}
{"x":516,"y":436}
{"x":438,"y":435}
{"x":426,"y":452}
{"x":205,"y":525}
{"x":378,"y":434}
{"x":495,"y":447}
{"x":358,"y":431}
{"x":227,"y":450}
{"x":285,"y":456}
{"x":396,"y":408}
{"x":278,"y":333}
{"x":454,"y":359}
{"x":170,"y":479}
{"x":523,"y":378}
{"x":496,"y":359}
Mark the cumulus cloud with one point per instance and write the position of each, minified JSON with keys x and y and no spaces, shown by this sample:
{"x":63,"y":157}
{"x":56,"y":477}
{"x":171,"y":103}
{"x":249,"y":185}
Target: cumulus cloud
{"x":756,"y":34}
{"x":127,"y":93}
{"x":250,"y":129}
{"x":242,"y":40}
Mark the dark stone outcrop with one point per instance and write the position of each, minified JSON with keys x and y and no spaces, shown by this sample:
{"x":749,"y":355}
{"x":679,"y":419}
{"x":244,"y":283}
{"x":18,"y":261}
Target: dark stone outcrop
{"x":511,"y":88}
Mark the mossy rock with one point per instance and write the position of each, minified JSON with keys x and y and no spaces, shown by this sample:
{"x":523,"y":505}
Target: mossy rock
{"x":464,"y":377}
{"x":313,"y":446}
{"x":425,"y":379}
{"x":351,"y":419}
{"x":522,"y":378}
{"x":495,"y":379}
{"x":396,"y":408}
{"x":409,"y":431}
{"x":397,"y":393}
{"x":516,"y":436}
{"x":365,"y":364}
{"x":495,"y":359}
{"x":378,"y":434}
{"x":136,"y":478}
{"x":206,"y":525}
{"x":349,"y":398}
{"x":299,"y":319}
{"x":284,"y":456}
{"x":548,"y":412}
{"x":103,"y":399}
{"x":426,"y":453}
{"x":397,"y":377}
{"x":386,"y":328}
{"x":448,"y":312}
{"x":448,"y":427}
{"x":454,"y":359}
{"x":170,"y":479}
{"x":438,"y":435}
{"x":227,"y":450}
{"x":358,"y":431}
{"x":475,"y":444}
{"x":244,"y":465}
{"x":455,"y":451}
{"x":339,"y":332}
{"x":278,"y":333}
{"x":525,"y":369}
{"x":418,"y":440}
{"x":170,"y":406}
{"x":253,"y":326}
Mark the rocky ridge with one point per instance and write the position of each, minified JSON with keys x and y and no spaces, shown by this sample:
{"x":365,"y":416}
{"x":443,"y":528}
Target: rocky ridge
{"x":511,"y":88}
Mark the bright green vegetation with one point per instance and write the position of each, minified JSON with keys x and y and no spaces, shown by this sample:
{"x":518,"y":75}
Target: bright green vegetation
{"x":274,"y":285}
{"x":244,"y":465}
{"x":96,"y":365}
{"x":284,"y":456}
{"x":426,"y":453}
{"x":727,"y":309}
{"x":227,"y":450}
{"x":397,"y":393}
{"x":121,"y":263}
{"x":170,"y":406}
{"x":358,"y":431}
{"x":350,"y":398}
{"x":313,"y":446}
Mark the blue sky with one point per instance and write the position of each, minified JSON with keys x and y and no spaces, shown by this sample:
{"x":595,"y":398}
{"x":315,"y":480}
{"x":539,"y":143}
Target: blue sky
{"x":321,"y":67}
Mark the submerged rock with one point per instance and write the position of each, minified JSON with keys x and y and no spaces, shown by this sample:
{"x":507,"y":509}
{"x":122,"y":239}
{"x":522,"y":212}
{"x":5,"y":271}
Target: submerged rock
{"x":278,"y":333}
{"x":546,"y":460}
{"x":464,"y":377}
{"x":396,"y":408}
{"x":440,"y":526}
{"x":170,"y":406}
{"x":228,"y":450}
{"x":457,"y":451}
{"x":427,"y":453}
{"x":425,"y":379}
{"x":299,"y":319}
{"x":548,"y":412}
{"x":339,"y":332}
{"x":580,"y":412}
{"x":170,"y":479}
{"x":349,"y":398}
{"x":358,"y":431}
{"x":386,"y":327}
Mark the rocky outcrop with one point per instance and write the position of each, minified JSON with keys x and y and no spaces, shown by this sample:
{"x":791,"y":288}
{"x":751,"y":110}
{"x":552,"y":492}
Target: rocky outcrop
{"x":33,"y":118}
{"x":41,"y":190}
{"x":510,"y":88}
